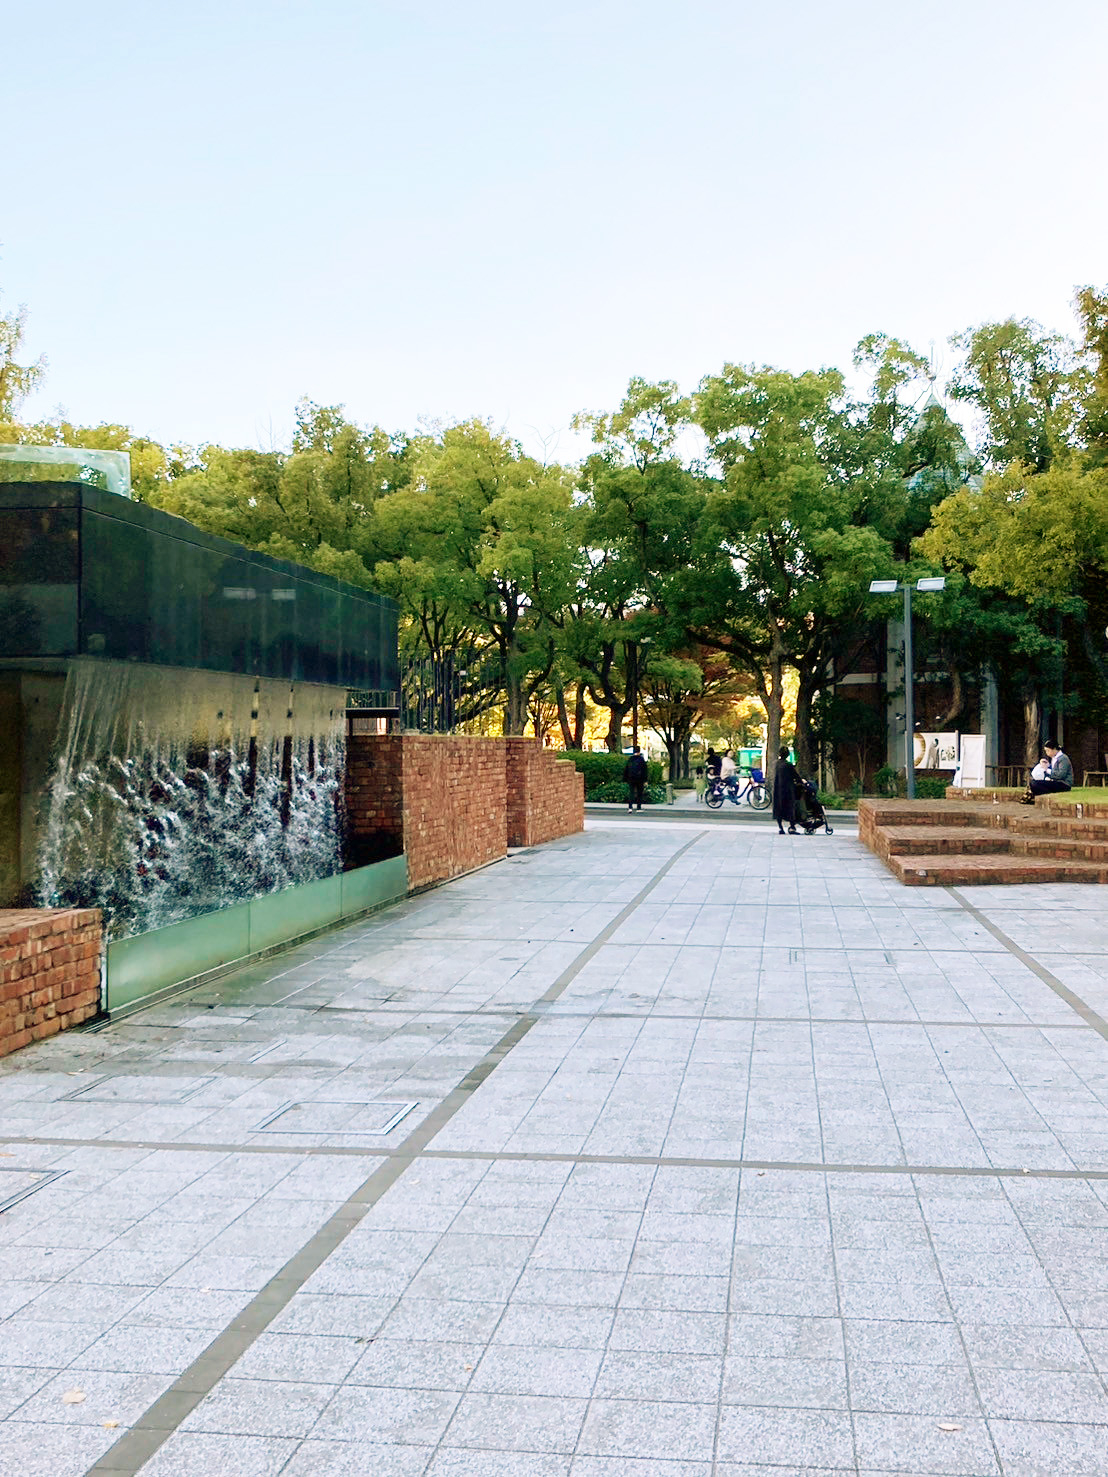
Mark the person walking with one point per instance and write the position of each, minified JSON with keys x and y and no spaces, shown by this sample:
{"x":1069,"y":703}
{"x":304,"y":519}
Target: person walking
{"x":784,"y":793}
{"x":634,"y":774}
{"x":1060,"y":776}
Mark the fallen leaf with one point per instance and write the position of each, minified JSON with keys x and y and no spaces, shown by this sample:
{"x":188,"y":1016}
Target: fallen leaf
{"x":73,"y":1397}
{"x":949,"y":1426}
{"x":109,"y":1425}
{"x":468,"y":1368}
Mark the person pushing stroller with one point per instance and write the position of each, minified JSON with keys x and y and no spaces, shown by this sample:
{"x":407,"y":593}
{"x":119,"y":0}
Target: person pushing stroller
{"x":785,"y":779}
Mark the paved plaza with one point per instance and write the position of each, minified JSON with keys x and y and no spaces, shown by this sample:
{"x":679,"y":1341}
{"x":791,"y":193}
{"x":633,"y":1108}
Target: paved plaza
{"x":672,"y":1149}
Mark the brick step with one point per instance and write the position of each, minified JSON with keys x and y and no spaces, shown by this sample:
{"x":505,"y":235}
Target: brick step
{"x":963,"y":871}
{"x":1075,"y":848}
{"x":937,"y":813}
{"x":1034,"y":823}
{"x":941,"y":840}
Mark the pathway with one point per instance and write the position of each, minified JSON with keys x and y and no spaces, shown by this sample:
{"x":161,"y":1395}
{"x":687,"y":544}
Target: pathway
{"x":712,"y":1154}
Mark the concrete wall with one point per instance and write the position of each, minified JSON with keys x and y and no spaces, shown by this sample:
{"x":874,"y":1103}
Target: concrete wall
{"x":49,"y":972}
{"x":453,"y":804}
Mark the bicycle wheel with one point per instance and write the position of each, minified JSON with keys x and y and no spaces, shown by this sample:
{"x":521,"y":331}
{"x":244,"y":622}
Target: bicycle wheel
{"x":713,"y":798}
{"x":759,"y":797}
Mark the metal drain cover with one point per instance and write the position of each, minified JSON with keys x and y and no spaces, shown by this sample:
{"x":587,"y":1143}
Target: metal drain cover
{"x":330,"y":1117}
{"x":124,"y":1088}
{"x":17,"y":1184}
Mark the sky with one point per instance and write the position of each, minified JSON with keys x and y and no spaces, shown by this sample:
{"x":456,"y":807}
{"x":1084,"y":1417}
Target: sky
{"x":427,"y":211}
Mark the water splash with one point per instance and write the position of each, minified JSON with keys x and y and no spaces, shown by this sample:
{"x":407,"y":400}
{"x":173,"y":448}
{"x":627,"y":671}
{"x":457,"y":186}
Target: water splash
{"x":175,"y":792}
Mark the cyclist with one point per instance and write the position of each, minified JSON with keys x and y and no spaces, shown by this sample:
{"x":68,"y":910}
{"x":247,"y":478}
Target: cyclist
{"x":728,"y":773}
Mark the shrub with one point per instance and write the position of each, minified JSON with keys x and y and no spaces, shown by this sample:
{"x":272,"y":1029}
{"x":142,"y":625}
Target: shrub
{"x":930,"y":788}
{"x":615,"y":793}
{"x":887,"y":782}
{"x":833,"y":801}
{"x":607,"y":769}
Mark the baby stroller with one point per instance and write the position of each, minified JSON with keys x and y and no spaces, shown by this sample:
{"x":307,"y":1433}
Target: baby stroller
{"x":809,"y":812}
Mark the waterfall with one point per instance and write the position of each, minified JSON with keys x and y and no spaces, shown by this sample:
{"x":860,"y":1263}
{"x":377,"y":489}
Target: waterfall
{"x":174,"y":792}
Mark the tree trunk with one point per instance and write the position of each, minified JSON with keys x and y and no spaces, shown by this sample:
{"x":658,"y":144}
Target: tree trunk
{"x":772,"y":697}
{"x":563,"y":717}
{"x":614,"y":739}
{"x":515,"y":710}
{"x":804,"y":696}
{"x":686,"y":767}
{"x":579,"y":717}
{"x":957,"y":701}
{"x":1032,"y":724}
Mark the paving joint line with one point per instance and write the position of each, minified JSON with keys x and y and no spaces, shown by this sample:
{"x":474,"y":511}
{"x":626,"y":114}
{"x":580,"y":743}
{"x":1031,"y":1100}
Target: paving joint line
{"x":1074,"y":1001}
{"x":154,"y":1427}
{"x":551,"y":1156}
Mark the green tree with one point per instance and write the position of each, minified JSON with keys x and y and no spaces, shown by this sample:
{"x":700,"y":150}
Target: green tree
{"x":640,"y":508}
{"x":16,"y":380}
{"x":487,"y":537}
{"x":1025,"y":385}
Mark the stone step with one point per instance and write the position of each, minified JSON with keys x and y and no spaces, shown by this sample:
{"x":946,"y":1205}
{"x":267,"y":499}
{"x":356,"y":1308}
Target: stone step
{"x":942,"y":840}
{"x":963,"y":871}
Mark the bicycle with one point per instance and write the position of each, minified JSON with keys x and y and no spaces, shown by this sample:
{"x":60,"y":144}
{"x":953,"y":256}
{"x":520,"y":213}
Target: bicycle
{"x":754,"y":792}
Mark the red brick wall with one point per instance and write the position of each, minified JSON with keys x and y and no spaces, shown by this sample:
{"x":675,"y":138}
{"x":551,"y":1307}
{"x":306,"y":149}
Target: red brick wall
{"x":49,"y":972}
{"x":453,"y":804}
{"x":440,"y":800}
{"x":546,"y":794}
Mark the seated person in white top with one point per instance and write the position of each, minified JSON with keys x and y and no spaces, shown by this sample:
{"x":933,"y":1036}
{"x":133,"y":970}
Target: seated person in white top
{"x":728,"y":771}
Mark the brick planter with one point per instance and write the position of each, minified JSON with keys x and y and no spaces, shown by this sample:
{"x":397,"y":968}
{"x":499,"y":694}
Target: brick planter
{"x":49,"y":972}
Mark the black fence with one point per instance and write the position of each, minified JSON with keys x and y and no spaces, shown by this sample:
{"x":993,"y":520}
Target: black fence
{"x":439,"y":694}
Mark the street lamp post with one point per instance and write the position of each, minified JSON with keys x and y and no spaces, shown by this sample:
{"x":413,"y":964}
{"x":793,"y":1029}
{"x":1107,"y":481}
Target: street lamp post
{"x":890,"y":587}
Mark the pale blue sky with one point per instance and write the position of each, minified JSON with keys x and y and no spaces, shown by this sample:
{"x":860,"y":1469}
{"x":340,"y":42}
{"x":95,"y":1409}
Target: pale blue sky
{"x":443,"y":209}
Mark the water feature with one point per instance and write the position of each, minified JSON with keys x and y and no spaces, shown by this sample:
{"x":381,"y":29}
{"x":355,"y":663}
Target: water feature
{"x":173,"y":792}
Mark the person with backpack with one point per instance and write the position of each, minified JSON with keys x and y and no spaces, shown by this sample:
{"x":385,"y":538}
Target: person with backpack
{"x":634,"y":774}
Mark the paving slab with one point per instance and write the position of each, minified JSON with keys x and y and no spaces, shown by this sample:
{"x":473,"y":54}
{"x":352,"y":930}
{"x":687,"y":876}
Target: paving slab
{"x":666,"y":1150}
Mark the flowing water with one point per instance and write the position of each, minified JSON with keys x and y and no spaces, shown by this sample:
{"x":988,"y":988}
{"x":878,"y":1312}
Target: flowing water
{"x":175,"y":792}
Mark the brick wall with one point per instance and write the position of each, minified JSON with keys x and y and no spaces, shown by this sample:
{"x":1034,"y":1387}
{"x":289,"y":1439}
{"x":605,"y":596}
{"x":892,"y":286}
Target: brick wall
{"x":49,"y":972}
{"x":453,"y":804}
{"x":546,"y":794}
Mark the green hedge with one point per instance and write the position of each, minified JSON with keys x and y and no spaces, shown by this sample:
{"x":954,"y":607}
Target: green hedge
{"x":615,"y":793}
{"x":607,"y":769}
{"x":930,"y":788}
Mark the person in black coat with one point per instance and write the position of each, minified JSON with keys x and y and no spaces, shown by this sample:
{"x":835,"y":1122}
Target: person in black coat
{"x":784,"y":793}
{"x":634,"y":774}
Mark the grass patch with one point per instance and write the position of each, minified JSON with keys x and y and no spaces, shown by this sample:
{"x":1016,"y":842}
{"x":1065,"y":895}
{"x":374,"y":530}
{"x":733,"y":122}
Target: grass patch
{"x":1084,"y":795}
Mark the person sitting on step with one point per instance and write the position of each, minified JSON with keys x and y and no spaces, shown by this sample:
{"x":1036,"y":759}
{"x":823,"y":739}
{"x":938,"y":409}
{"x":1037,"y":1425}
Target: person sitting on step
{"x":1060,"y":778}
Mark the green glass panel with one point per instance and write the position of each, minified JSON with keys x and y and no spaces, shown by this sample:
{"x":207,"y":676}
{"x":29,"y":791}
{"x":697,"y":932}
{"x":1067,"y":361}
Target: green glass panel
{"x":369,"y":887}
{"x":154,"y":961}
{"x":142,"y":966}
{"x":293,"y":911}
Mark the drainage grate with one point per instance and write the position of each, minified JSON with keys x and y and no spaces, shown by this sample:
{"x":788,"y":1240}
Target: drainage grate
{"x":336,"y":1118}
{"x":17,"y":1184}
{"x":124,"y":1088}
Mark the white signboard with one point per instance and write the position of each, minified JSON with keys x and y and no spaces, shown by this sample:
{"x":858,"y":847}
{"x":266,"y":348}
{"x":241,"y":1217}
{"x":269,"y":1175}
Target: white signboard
{"x":936,"y":750}
{"x":971,"y":770}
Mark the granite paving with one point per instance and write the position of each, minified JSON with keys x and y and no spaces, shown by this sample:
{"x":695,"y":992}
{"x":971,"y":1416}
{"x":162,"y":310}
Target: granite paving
{"x":665,"y":1150}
